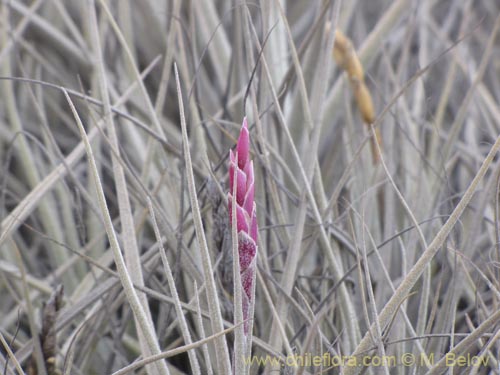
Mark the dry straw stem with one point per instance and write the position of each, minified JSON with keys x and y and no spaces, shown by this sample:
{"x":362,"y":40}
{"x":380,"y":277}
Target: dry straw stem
{"x":464,"y":107}
{"x":485,"y":96}
{"x":222,"y":352}
{"x":471,"y":339}
{"x":486,"y":349}
{"x":195,"y":366}
{"x":26,"y":207}
{"x":273,"y":194}
{"x":50,"y":220}
{"x":391,"y":307}
{"x":131,"y":250}
{"x":394,"y":40}
{"x":171,"y":353}
{"x":367,"y":288}
{"x":306,"y":170}
{"x":346,"y":57}
{"x":239,"y":337}
{"x":12,"y":356}
{"x":199,"y":323}
{"x":277,"y":332}
{"x":37,"y":354}
{"x":130,"y":59}
{"x":23,"y":209}
{"x":60,"y":40}
{"x":69,"y":348}
{"x":132,"y":297}
{"x":370,"y":47}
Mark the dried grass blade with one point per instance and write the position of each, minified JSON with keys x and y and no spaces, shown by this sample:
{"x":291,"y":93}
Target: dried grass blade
{"x":223,"y":361}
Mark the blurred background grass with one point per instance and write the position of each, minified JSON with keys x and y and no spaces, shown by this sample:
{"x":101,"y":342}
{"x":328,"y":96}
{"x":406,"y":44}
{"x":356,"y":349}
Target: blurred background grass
{"x":338,"y":232}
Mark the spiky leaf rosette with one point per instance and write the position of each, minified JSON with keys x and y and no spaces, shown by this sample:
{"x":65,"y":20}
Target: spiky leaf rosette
{"x":241,"y":174}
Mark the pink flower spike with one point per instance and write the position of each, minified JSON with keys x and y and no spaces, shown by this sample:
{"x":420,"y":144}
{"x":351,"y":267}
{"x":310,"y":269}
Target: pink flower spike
{"x":248,"y":250}
{"x":249,"y":172}
{"x":241,"y":220}
{"x":247,"y":281}
{"x":253,"y":226}
{"x":241,"y":216}
{"x":246,"y":219}
{"x":243,"y":145}
{"x":249,"y":199}
{"x":241,"y":186}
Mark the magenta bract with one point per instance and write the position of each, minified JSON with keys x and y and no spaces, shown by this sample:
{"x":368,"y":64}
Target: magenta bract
{"x":246,"y":219}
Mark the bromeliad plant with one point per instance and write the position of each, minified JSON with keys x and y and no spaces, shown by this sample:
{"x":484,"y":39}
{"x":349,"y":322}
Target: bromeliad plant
{"x":241,"y":183}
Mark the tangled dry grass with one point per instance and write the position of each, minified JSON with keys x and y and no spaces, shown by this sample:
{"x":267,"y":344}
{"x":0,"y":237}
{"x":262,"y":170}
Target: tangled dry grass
{"x":377,"y":186}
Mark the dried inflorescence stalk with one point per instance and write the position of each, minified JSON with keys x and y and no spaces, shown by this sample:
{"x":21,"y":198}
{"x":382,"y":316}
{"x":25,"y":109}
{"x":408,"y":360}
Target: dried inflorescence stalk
{"x":345,"y":56}
{"x":48,"y":334}
{"x":241,"y":174}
